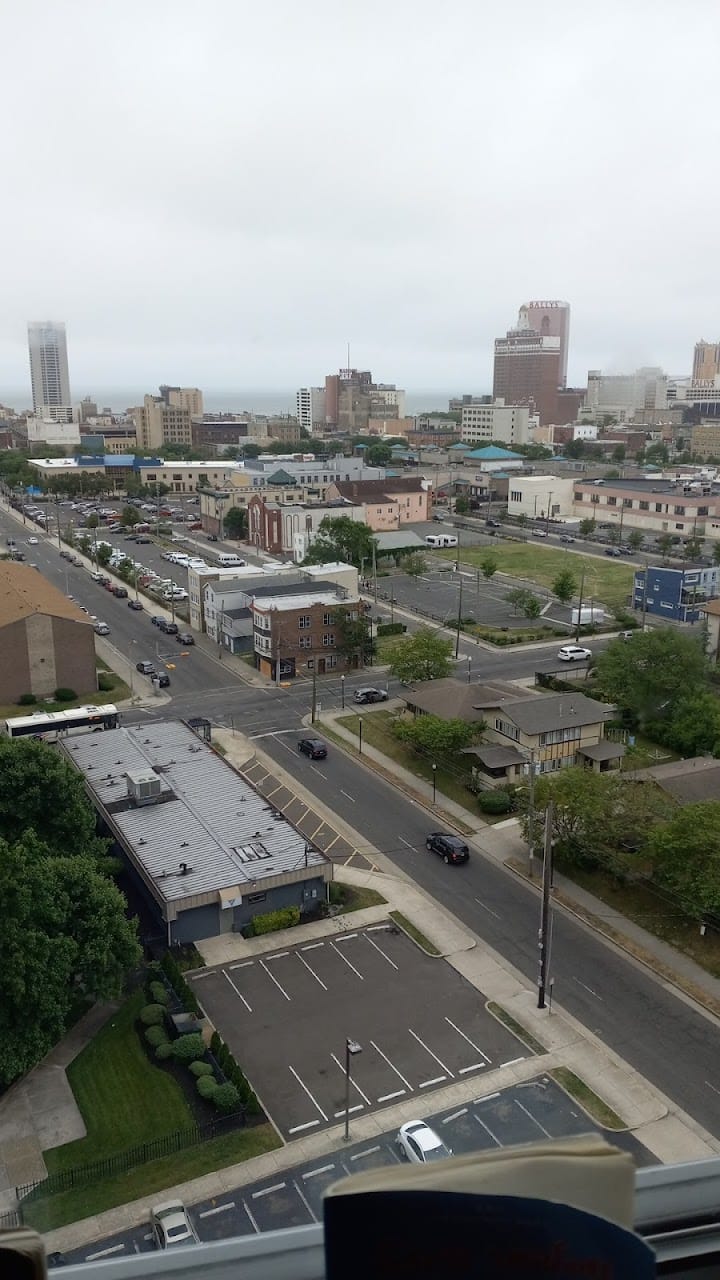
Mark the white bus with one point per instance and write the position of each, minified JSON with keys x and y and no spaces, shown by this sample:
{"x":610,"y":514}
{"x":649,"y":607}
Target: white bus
{"x":56,"y":724}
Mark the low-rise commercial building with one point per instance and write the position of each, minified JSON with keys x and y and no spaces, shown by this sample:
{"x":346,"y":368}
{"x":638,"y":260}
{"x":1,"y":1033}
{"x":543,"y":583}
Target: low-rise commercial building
{"x":482,"y":423}
{"x":46,"y":641}
{"x":301,"y":632}
{"x":678,"y":506}
{"x":541,"y":497}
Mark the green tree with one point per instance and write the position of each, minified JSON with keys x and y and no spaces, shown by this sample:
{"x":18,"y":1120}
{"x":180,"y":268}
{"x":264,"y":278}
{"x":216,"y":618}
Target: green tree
{"x":615,"y":535}
{"x":685,"y":855}
{"x":103,"y":555}
{"x":635,"y":539}
{"x":422,"y":656}
{"x":692,"y":727}
{"x":234,"y":522}
{"x":587,"y":527}
{"x":462,"y":506}
{"x":525,"y":602}
{"x":575,"y":449}
{"x":353,"y":636}
{"x":565,"y":585}
{"x":378,"y":455}
{"x":618,"y":453}
{"x":431,"y":735}
{"x":651,"y":673}
{"x":64,"y":935}
{"x":340,"y":538}
{"x":130,"y":516}
{"x":489,"y":565}
{"x":203,"y":482}
{"x":693,"y":547}
{"x":92,"y":521}
{"x":665,"y":544}
{"x":415,"y":565}
{"x":40,"y":791}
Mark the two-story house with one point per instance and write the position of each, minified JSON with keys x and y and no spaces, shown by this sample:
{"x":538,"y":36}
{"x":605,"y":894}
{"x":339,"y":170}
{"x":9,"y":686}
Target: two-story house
{"x":300,"y":632}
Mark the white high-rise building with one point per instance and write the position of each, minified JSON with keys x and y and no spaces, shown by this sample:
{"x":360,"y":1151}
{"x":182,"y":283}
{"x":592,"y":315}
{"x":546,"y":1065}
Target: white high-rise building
{"x":310,"y":410}
{"x":49,"y":374}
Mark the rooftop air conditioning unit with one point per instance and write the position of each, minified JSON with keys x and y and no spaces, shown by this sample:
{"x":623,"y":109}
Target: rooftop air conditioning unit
{"x":144,"y":787}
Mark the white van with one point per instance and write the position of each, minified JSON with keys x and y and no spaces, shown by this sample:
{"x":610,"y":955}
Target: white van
{"x":227,"y":558}
{"x":441,"y":540}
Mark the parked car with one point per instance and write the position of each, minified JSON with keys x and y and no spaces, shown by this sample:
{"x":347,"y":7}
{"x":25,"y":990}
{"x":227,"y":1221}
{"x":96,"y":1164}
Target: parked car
{"x":566,"y":537}
{"x":625,"y":635}
{"x":493,"y":524}
{"x":145,"y":668}
{"x":212,"y":537}
{"x":370,"y":695}
{"x":66,"y":555}
{"x":33,"y":542}
{"x":156,"y":619}
{"x":102,"y":629}
{"x":184,"y":637}
{"x":420,"y":1144}
{"x":171,"y":1226}
{"x":613,"y":551}
{"x":313,"y":747}
{"x":170,"y":628}
{"x":448,"y":847}
{"x":574,"y":653}
{"x":135,"y":604}
{"x":143,"y":537}
{"x":162,"y":678}
{"x":539,"y":533}
{"x":120,"y":592}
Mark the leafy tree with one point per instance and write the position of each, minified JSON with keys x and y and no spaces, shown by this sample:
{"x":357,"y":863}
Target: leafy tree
{"x":92,"y":521}
{"x":432,"y":735}
{"x":587,"y":527}
{"x":64,"y":935}
{"x":615,"y":535}
{"x":647,"y":676}
{"x":130,"y":516}
{"x":41,"y":791}
{"x":234,"y":522}
{"x":618,"y":453}
{"x":103,"y":555}
{"x":524,"y":601}
{"x":693,"y":726}
{"x":575,"y":449}
{"x":378,"y":455}
{"x":422,"y":656}
{"x":462,"y":506}
{"x":686,"y":857}
{"x":415,"y":564}
{"x":565,"y":585}
{"x":489,"y":565}
{"x":665,"y":544}
{"x":532,"y":607}
{"x":693,"y":547}
{"x":353,"y":638}
{"x":203,"y":482}
{"x":340,"y":538}
{"x":635,"y":539}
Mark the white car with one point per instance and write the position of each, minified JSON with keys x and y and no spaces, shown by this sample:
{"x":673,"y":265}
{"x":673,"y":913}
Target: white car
{"x":420,"y":1144}
{"x":171,"y":1225}
{"x":33,"y":542}
{"x":574,"y":653}
{"x":102,"y":629}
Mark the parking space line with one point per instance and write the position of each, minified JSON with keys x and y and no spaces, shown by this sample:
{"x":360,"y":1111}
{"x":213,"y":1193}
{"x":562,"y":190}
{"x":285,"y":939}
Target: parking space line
{"x":237,"y":993}
{"x":319,"y":827}
{"x":476,"y":1066}
{"x":312,"y":946}
{"x":432,"y":1055}
{"x":399,"y":1074}
{"x":512,"y":1063}
{"x":386,"y":1097}
{"x":299,"y":1190}
{"x":455,"y":1115}
{"x":425,"y":1084}
{"x":241,"y":964}
{"x":340,"y":1114}
{"x":369,"y":1151}
{"x":209,"y":973}
{"x":354,"y":1083}
{"x":345,"y":937}
{"x":488,"y":1131}
{"x":382,"y":953}
{"x":330,"y":845}
{"x":324,"y":1168}
{"x":472,"y":1044}
{"x":304,"y":1086}
{"x":310,"y":970}
{"x":221,"y":1208}
{"x":255,"y":1226}
{"x":105,"y":1253}
{"x":278,"y":955}
{"x":530,"y":1116}
{"x":488,"y":1097}
{"x":348,"y":962}
{"x":298,"y":1128}
{"x":273,"y":979}
{"x":266,"y":1191}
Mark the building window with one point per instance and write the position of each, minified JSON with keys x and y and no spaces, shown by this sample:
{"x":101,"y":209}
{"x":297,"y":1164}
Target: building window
{"x":612,"y":502}
{"x":252,"y":898}
{"x":627,"y":502}
{"x":328,"y":619}
{"x":310,"y":664}
{"x":516,"y":495}
{"x":508,"y":730}
{"x":680,"y":526}
{"x":595,"y":497}
{"x":305,"y":642}
{"x":331,"y":661}
{"x":679,"y":511}
{"x":304,"y":620}
{"x":644,"y":506}
{"x":328,"y":641}
{"x":658,"y":506}
{"x":553,"y":736}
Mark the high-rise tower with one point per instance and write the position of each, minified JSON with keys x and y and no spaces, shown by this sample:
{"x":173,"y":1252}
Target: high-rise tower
{"x":49,"y":371}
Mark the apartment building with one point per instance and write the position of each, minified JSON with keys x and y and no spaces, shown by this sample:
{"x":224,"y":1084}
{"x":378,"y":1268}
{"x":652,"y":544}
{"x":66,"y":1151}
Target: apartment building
{"x":49,"y":375}
{"x":310,"y":409}
{"x":300,"y":633}
{"x":680,"y":594}
{"x":527,"y":367}
{"x":620,"y":395}
{"x":705,"y":440}
{"x":227,"y":601}
{"x":188,"y":398}
{"x":388,"y":503}
{"x":158,"y":422}
{"x":481,"y":423}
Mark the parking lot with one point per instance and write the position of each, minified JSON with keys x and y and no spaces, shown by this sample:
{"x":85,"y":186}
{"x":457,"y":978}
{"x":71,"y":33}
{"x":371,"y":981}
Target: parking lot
{"x":530,"y":1112}
{"x":286,"y":1016}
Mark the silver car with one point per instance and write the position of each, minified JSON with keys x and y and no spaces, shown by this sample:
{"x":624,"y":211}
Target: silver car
{"x":171,"y":1225}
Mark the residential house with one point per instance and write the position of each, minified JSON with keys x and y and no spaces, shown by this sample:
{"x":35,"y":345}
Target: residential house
{"x":687,"y":781}
{"x":680,"y":594}
{"x":288,"y":528}
{"x":387,"y":504}
{"x":710,"y":614}
{"x":299,"y":632}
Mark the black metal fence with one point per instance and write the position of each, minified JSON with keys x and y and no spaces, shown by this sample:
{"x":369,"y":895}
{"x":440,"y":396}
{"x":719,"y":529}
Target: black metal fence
{"x":11,"y":1218}
{"x":68,"y":1179}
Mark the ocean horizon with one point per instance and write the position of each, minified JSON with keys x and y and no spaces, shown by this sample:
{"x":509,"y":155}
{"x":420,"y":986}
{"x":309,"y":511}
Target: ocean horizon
{"x":250,"y":400}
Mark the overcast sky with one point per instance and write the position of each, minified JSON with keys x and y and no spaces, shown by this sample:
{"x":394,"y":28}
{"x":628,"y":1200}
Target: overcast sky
{"x":224,"y":194}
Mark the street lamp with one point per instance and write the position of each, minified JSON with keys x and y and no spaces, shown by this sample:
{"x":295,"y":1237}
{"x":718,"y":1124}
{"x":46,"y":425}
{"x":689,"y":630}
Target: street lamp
{"x":469,"y":662}
{"x":351,"y":1048}
{"x":342,"y":691}
{"x":434,"y":778}
{"x":132,"y":674}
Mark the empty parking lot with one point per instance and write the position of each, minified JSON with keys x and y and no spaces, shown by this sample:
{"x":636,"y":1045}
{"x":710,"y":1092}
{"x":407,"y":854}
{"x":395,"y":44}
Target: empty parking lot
{"x":286,"y":1016}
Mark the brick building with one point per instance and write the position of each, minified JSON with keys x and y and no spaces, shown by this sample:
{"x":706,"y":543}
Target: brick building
{"x":298,"y":633}
{"x":46,"y":641}
{"x":288,"y":528}
{"x":387,"y":504}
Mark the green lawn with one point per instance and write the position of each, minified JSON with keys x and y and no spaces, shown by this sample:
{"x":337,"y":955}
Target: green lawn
{"x":606,"y":581}
{"x":98,"y":698}
{"x":353,"y":897}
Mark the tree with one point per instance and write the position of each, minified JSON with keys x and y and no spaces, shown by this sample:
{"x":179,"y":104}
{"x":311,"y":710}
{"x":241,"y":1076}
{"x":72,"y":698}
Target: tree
{"x":665,"y":544}
{"x":422,"y":656}
{"x":693,"y":547}
{"x":587,"y":527}
{"x":635,"y":539}
{"x":130,"y":516}
{"x":378,"y":455}
{"x":685,"y":856}
{"x":353,"y":636}
{"x":489,"y":565}
{"x":40,"y":791}
{"x":651,"y":673}
{"x":234,"y":522}
{"x":693,"y":727}
{"x":524,"y":601}
{"x":462,"y":506}
{"x":618,"y":453}
{"x":564,"y":586}
{"x":615,"y":535}
{"x":434,"y":736}
{"x":64,"y":934}
{"x":103,"y":555}
{"x":203,"y":482}
{"x":415,"y":564}
{"x":92,"y":521}
{"x":340,"y":538}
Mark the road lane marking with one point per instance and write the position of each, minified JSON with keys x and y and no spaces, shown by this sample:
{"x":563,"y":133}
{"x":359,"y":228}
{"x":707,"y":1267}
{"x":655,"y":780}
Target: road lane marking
{"x":221,"y":1208}
{"x":432,"y":1055}
{"x":369,"y":1151}
{"x":399,"y":1074}
{"x":712,"y":1086}
{"x":427,"y":1084}
{"x":512,"y":1062}
{"x":472,"y":1044}
{"x":347,"y":797}
{"x":324,"y":1168}
{"x":310,"y":970}
{"x":304,"y":1086}
{"x":348,"y":962}
{"x":319,"y":771}
{"x":488,"y":1131}
{"x":488,"y":909}
{"x":386,"y":1097}
{"x":208,"y":974}
{"x":410,"y":846}
{"x":104,"y":1253}
{"x":588,"y":989}
{"x":382,"y":953}
{"x":237,"y":992}
{"x":455,"y":1115}
{"x":273,"y":979}
{"x":298,"y":1128}
{"x":530,"y":1116}
{"x":267,"y":1191}
{"x":354,"y":1083}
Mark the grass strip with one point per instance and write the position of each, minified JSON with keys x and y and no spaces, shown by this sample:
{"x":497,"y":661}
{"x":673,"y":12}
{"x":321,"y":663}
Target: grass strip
{"x":598,"y":1110}
{"x":409,"y":928}
{"x":352,"y":897}
{"x":517,"y":1029}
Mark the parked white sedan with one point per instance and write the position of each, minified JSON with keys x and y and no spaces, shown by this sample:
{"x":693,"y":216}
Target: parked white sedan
{"x":420,"y":1144}
{"x":171,"y":1225}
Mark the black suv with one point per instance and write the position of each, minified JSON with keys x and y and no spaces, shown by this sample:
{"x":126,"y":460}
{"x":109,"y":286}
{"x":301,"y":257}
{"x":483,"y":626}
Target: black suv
{"x":449,"y":848}
{"x":313,"y":747}
{"x":170,"y":628}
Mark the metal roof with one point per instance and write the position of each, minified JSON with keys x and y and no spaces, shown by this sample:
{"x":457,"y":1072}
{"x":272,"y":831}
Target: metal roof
{"x":207,"y":819}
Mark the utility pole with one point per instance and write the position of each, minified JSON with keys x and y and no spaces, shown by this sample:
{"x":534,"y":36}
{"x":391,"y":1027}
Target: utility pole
{"x":459,"y":620}
{"x":545,"y":931}
{"x":531,"y":813}
{"x":314,"y":698}
{"x":580,"y":605}
{"x":374,"y":569}
{"x":644,"y":599}
{"x":549,"y":508}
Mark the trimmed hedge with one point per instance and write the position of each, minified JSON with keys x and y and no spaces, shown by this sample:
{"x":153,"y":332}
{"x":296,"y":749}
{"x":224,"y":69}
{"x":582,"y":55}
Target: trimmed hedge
{"x":188,"y":1048}
{"x":65,"y":695}
{"x":152,"y":1015}
{"x":156,"y":1036}
{"x":183,"y":992}
{"x":494,"y":802}
{"x":226,"y":1098}
{"x":234,"y":1074}
{"x":200,"y":1069}
{"x":391,"y":628}
{"x":105,"y":682}
{"x":207,"y":1087}
{"x":164,"y":1051}
{"x":159,"y":993}
{"x":271,"y":921}
{"x":27,"y":700}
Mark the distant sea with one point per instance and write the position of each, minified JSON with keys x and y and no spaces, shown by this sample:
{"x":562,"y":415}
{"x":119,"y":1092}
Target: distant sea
{"x":263,"y":402}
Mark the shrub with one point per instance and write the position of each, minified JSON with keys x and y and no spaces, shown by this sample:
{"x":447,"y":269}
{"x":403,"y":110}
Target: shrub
{"x":215,"y":1043}
{"x":391,"y":628}
{"x":106,"y":682}
{"x":164,"y":1051}
{"x":494,"y":802}
{"x":207,"y":1086}
{"x":159,"y":993}
{"x":252,"y":1104}
{"x":65,"y":695}
{"x":226,"y":1098}
{"x":179,"y":985}
{"x":156,"y":1036}
{"x":201,"y":1069}
{"x":188,"y":1048}
{"x":152,"y":1015}
{"x":271,"y":921}
{"x":27,"y":700}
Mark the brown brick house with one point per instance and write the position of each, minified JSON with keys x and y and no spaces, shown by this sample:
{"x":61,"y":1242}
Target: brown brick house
{"x":46,"y":641}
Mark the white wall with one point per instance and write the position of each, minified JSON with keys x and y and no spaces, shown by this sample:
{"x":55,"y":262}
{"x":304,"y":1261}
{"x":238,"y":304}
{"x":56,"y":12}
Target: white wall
{"x":538,"y":496}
